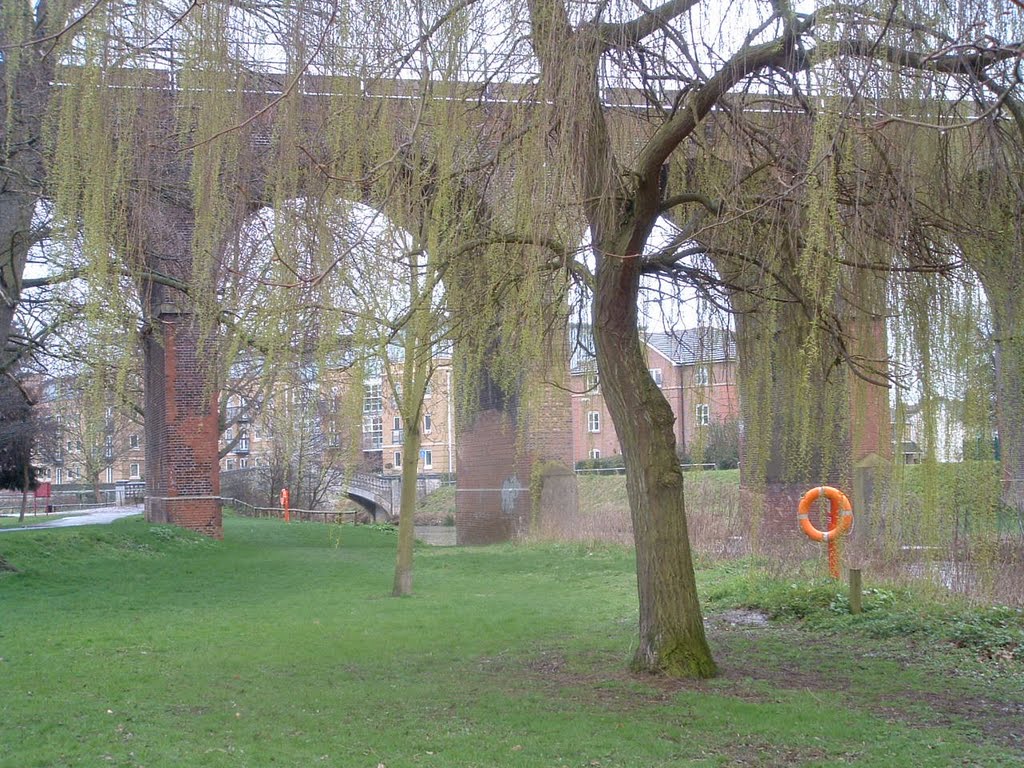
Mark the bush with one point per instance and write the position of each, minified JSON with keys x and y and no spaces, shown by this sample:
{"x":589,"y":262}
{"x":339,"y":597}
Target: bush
{"x":722,"y":445}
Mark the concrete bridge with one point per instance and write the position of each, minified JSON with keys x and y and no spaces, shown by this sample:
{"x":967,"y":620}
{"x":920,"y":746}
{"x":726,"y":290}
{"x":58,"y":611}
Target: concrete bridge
{"x":378,"y":494}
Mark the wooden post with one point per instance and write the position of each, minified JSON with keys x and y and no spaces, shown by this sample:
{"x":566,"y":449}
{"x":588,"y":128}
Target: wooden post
{"x":855,"y":590}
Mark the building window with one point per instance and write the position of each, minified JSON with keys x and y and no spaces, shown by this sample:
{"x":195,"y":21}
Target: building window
{"x":230,"y":464}
{"x":595,"y":453}
{"x":133,"y":470}
{"x":700,"y":376}
{"x":110,"y":474}
{"x":71,"y":446}
{"x":398,"y":458}
{"x":594,"y":421}
{"x":591,"y":381}
{"x":428,"y":390}
{"x":133,"y":441}
{"x":243,"y":442}
{"x":428,"y":424}
{"x":397,"y":423}
{"x":60,"y":476}
{"x":372,"y":399}
{"x":373,"y":433}
{"x":703,"y":414}
{"x":243,"y":463}
{"x":428,"y":459}
{"x":656,"y":375}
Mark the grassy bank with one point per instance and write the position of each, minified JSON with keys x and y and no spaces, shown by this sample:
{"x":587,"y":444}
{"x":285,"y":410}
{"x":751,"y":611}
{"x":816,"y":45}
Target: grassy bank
{"x":134,"y":645}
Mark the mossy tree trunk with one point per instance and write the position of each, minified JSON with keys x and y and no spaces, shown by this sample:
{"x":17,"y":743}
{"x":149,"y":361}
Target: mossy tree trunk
{"x":672,"y":639}
{"x":407,"y":511}
{"x":420,"y":334}
{"x":621,"y":200}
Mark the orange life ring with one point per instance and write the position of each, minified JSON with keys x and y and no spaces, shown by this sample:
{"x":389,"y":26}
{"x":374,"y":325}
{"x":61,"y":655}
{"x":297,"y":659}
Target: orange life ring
{"x":838,"y":502}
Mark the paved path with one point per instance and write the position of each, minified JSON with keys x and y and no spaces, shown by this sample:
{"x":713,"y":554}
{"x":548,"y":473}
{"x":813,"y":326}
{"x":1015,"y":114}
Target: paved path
{"x":96,"y":516}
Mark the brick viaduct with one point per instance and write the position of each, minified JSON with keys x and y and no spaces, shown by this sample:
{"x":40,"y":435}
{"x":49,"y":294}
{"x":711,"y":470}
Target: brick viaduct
{"x":512,"y":460}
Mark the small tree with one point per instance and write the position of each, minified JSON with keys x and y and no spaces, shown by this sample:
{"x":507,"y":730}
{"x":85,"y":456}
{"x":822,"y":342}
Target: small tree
{"x":18,"y":431}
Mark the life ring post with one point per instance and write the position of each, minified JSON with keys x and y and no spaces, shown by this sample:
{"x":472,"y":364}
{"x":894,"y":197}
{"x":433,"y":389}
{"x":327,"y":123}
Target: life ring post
{"x":840,"y":520}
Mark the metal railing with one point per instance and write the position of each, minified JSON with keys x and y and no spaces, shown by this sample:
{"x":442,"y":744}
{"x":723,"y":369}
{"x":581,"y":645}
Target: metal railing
{"x":622,"y":470}
{"x":307,"y":515}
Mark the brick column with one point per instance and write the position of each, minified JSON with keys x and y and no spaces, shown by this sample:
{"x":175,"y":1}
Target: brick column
{"x":182,"y":466}
{"x":515,"y":462}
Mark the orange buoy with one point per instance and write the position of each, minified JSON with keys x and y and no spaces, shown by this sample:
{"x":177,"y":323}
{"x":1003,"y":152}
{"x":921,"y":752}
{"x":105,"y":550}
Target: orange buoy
{"x":840,"y":513}
{"x":840,"y":520}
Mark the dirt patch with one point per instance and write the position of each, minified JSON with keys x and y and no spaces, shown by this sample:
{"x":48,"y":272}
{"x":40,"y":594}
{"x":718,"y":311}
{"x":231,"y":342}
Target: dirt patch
{"x":759,"y":676}
{"x":1001,"y":722}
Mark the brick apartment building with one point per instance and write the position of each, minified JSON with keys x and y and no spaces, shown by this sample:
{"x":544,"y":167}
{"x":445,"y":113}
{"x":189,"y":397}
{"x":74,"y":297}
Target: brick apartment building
{"x":695,"y":369}
{"x":248,"y":440}
{"x":85,"y":439}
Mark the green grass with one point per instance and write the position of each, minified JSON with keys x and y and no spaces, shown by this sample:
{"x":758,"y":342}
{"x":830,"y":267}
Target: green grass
{"x":438,"y":506}
{"x":139,"y":645}
{"x":30,"y":519}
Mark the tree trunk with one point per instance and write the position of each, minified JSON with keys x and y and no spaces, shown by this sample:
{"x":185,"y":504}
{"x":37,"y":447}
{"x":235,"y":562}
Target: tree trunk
{"x":25,"y":478}
{"x":407,"y":510}
{"x":22,"y":172}
{"x":672,"y":639}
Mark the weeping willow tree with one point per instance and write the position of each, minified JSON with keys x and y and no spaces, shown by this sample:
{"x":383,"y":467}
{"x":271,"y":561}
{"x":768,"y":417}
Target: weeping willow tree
{"x":843,"y":53}
{"x":562,"y":116}
{"x":26,"y":77}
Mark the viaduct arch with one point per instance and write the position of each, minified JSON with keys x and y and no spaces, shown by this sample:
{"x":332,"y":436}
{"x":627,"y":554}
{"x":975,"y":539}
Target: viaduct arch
{"x":496,"y":462}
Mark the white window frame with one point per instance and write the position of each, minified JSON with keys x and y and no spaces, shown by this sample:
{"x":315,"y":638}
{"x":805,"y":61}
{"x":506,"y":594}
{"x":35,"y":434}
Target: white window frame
{"x":110,"y":474}
{"x":702,"y":414}
{"x":428,"y":424}
{"x":133,"y":441}
{"x":595,"y":453}
{"x":428,"y":459}
{"x":591,"y":382}
{"x":701,"y":376}
{"x":133,"y":470}
{"x":593,"y":421}
{"x":373,"y":398}
{"x":398,"y":459}
{"x":656,"y":375}
{"x":374,"y":427}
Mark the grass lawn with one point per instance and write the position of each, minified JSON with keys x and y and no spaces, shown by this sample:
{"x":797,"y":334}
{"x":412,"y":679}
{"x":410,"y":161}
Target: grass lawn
{"x":11,"y":521}
{"x":139,"y":645}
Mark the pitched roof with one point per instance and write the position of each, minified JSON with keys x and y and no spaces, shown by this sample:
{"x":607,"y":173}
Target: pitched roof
{"x":695,"y":345}
{"x":683,"y":347}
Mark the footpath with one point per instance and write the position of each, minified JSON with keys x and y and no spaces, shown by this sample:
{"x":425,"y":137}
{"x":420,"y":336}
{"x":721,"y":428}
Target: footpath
{"x":94,"y":516}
